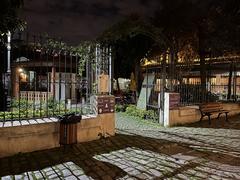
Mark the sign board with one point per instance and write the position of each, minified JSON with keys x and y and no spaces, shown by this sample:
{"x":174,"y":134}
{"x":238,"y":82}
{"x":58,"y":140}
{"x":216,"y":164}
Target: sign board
{"x":105,"y":104}
{"x":103,"y":83}
{"x":174,"y":100}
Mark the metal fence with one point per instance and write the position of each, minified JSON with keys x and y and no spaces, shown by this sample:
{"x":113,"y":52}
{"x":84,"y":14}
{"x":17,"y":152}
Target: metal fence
{"x":221,"y":84}
{"x":46,"y":80}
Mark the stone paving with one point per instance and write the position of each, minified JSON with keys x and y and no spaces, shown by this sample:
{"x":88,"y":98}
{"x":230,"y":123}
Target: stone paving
{"x":140,"y":150}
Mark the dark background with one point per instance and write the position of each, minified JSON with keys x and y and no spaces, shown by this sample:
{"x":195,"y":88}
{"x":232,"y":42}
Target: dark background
{"x":76,"y":20}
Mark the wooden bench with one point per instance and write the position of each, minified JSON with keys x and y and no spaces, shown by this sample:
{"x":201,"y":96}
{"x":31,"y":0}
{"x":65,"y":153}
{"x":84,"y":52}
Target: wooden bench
{"x":208,"y":109}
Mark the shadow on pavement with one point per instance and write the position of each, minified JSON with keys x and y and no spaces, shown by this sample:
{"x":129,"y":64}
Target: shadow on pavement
{"x":84,"y":156}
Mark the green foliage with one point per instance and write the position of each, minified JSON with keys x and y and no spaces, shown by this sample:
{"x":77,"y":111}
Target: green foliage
{"x":53,"y":105}
{"x":23,"y":109}
{"x":143,"y":114}
{"x":27,"y":109}
{"x":22,"y":104}
{"x":84,"y":51}
{"x":9,"y":20}
{"x":120,"y":107}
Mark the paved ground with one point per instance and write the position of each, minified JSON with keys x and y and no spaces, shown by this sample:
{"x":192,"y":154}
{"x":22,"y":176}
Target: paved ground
{"x":140,"y":150}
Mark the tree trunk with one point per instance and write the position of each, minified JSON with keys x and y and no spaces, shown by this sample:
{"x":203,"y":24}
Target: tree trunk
{"x":118,"y":86}
{"x":172,"y":68}
{"x":137,"y":75}
{"x":203,"y":77}
{"x":202,"y":64}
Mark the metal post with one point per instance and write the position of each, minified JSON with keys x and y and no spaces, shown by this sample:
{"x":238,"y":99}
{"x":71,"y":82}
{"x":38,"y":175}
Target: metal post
{"x":9,"y":52}
{"x":9,"y":69}
{"x":87,"y":75}
{"x":96,"y":68}
{"x":110,"y":70}
{"x":162,"y":90}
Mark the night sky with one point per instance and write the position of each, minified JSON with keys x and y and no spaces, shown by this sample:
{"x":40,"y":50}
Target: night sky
{"x":76,"y":20}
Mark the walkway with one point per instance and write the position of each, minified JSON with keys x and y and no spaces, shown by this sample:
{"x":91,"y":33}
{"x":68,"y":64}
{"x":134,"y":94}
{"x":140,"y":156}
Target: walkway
{"x":140,"y":150}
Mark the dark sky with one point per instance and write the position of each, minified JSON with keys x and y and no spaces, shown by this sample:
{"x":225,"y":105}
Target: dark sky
{"x":76,"y":20}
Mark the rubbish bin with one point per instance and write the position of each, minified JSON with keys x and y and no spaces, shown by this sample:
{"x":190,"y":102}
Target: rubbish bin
{"x":68,"y":128}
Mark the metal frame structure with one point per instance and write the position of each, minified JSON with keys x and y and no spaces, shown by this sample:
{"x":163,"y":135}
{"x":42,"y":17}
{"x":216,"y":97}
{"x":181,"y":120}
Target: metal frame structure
{"x":222,"y":72}
{"x":45,"y":80}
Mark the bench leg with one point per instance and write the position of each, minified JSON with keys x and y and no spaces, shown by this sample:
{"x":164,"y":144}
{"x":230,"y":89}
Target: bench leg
{"x":226,"y":116}
{"x":201,"y":118}
{"x":209,"y":119}
{"x":219,"y":115}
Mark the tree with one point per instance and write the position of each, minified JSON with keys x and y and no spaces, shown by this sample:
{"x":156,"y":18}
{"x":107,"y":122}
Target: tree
{"x":9,"y":19}
{"x":207,"y":28}
{"x":131,"y":39}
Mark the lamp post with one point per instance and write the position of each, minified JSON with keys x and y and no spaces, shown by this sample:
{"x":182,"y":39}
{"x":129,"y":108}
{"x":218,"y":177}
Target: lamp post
{"x":8,"y":74}
{"x":8,"y":52}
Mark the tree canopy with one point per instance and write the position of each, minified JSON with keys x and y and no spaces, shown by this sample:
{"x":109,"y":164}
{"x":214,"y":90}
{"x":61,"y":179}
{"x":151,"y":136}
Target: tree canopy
{"x":204,"y":28}
{"x":9,"y":19}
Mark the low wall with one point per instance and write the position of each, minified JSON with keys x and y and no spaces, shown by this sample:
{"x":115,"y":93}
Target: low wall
{"x":191,"y":114}
{"x":28,"y":138}
{"x":94,"y":128}
{"x":34,"y":137}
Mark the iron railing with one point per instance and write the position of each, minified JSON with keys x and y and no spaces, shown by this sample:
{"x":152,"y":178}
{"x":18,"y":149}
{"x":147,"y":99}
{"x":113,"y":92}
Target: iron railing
{"x":48,"y":80}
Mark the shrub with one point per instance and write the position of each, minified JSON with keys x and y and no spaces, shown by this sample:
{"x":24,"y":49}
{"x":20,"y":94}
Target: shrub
{"x":120,"y":108}
{"x":132,"y":110}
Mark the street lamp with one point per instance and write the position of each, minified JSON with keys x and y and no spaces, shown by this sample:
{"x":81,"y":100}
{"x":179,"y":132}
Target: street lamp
{"x":8,"y":52}
{"x":8,"y":74}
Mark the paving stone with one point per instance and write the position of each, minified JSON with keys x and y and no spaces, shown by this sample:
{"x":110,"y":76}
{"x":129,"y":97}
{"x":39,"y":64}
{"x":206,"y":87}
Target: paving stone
{"x":49,"y":173}
{"x":24,"y":122}
{"x":16,"y":123}
{"x":134,"y":172}
{"x":54,"y":119}
{"x":236,"y":176}
{"x":7,"y":124}
{"x":52,"y":176}
{"x":7,"y":178}
{"x":142,"y":162}
{"x":70,"y":178}
{"x":40,"y":121}
{"x":66,"y":172}
{"x":142,"y":176}
{"x":83,"y":177}
{"x":1,"y":124}
{"x":182,"y":176}
{"x":18,"y":177}
{"x":32,"y":121}
{"x":155,"y":172}
{"x":60,"y":166}
{"x":38,"y":175}
{"x":47,"y":120}
{"x":69,"y":163}
{"x":78,"y":172}
{"x":215,"y":177}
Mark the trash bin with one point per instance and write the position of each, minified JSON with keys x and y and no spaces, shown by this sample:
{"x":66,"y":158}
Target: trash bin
{"x":68,"y":128}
